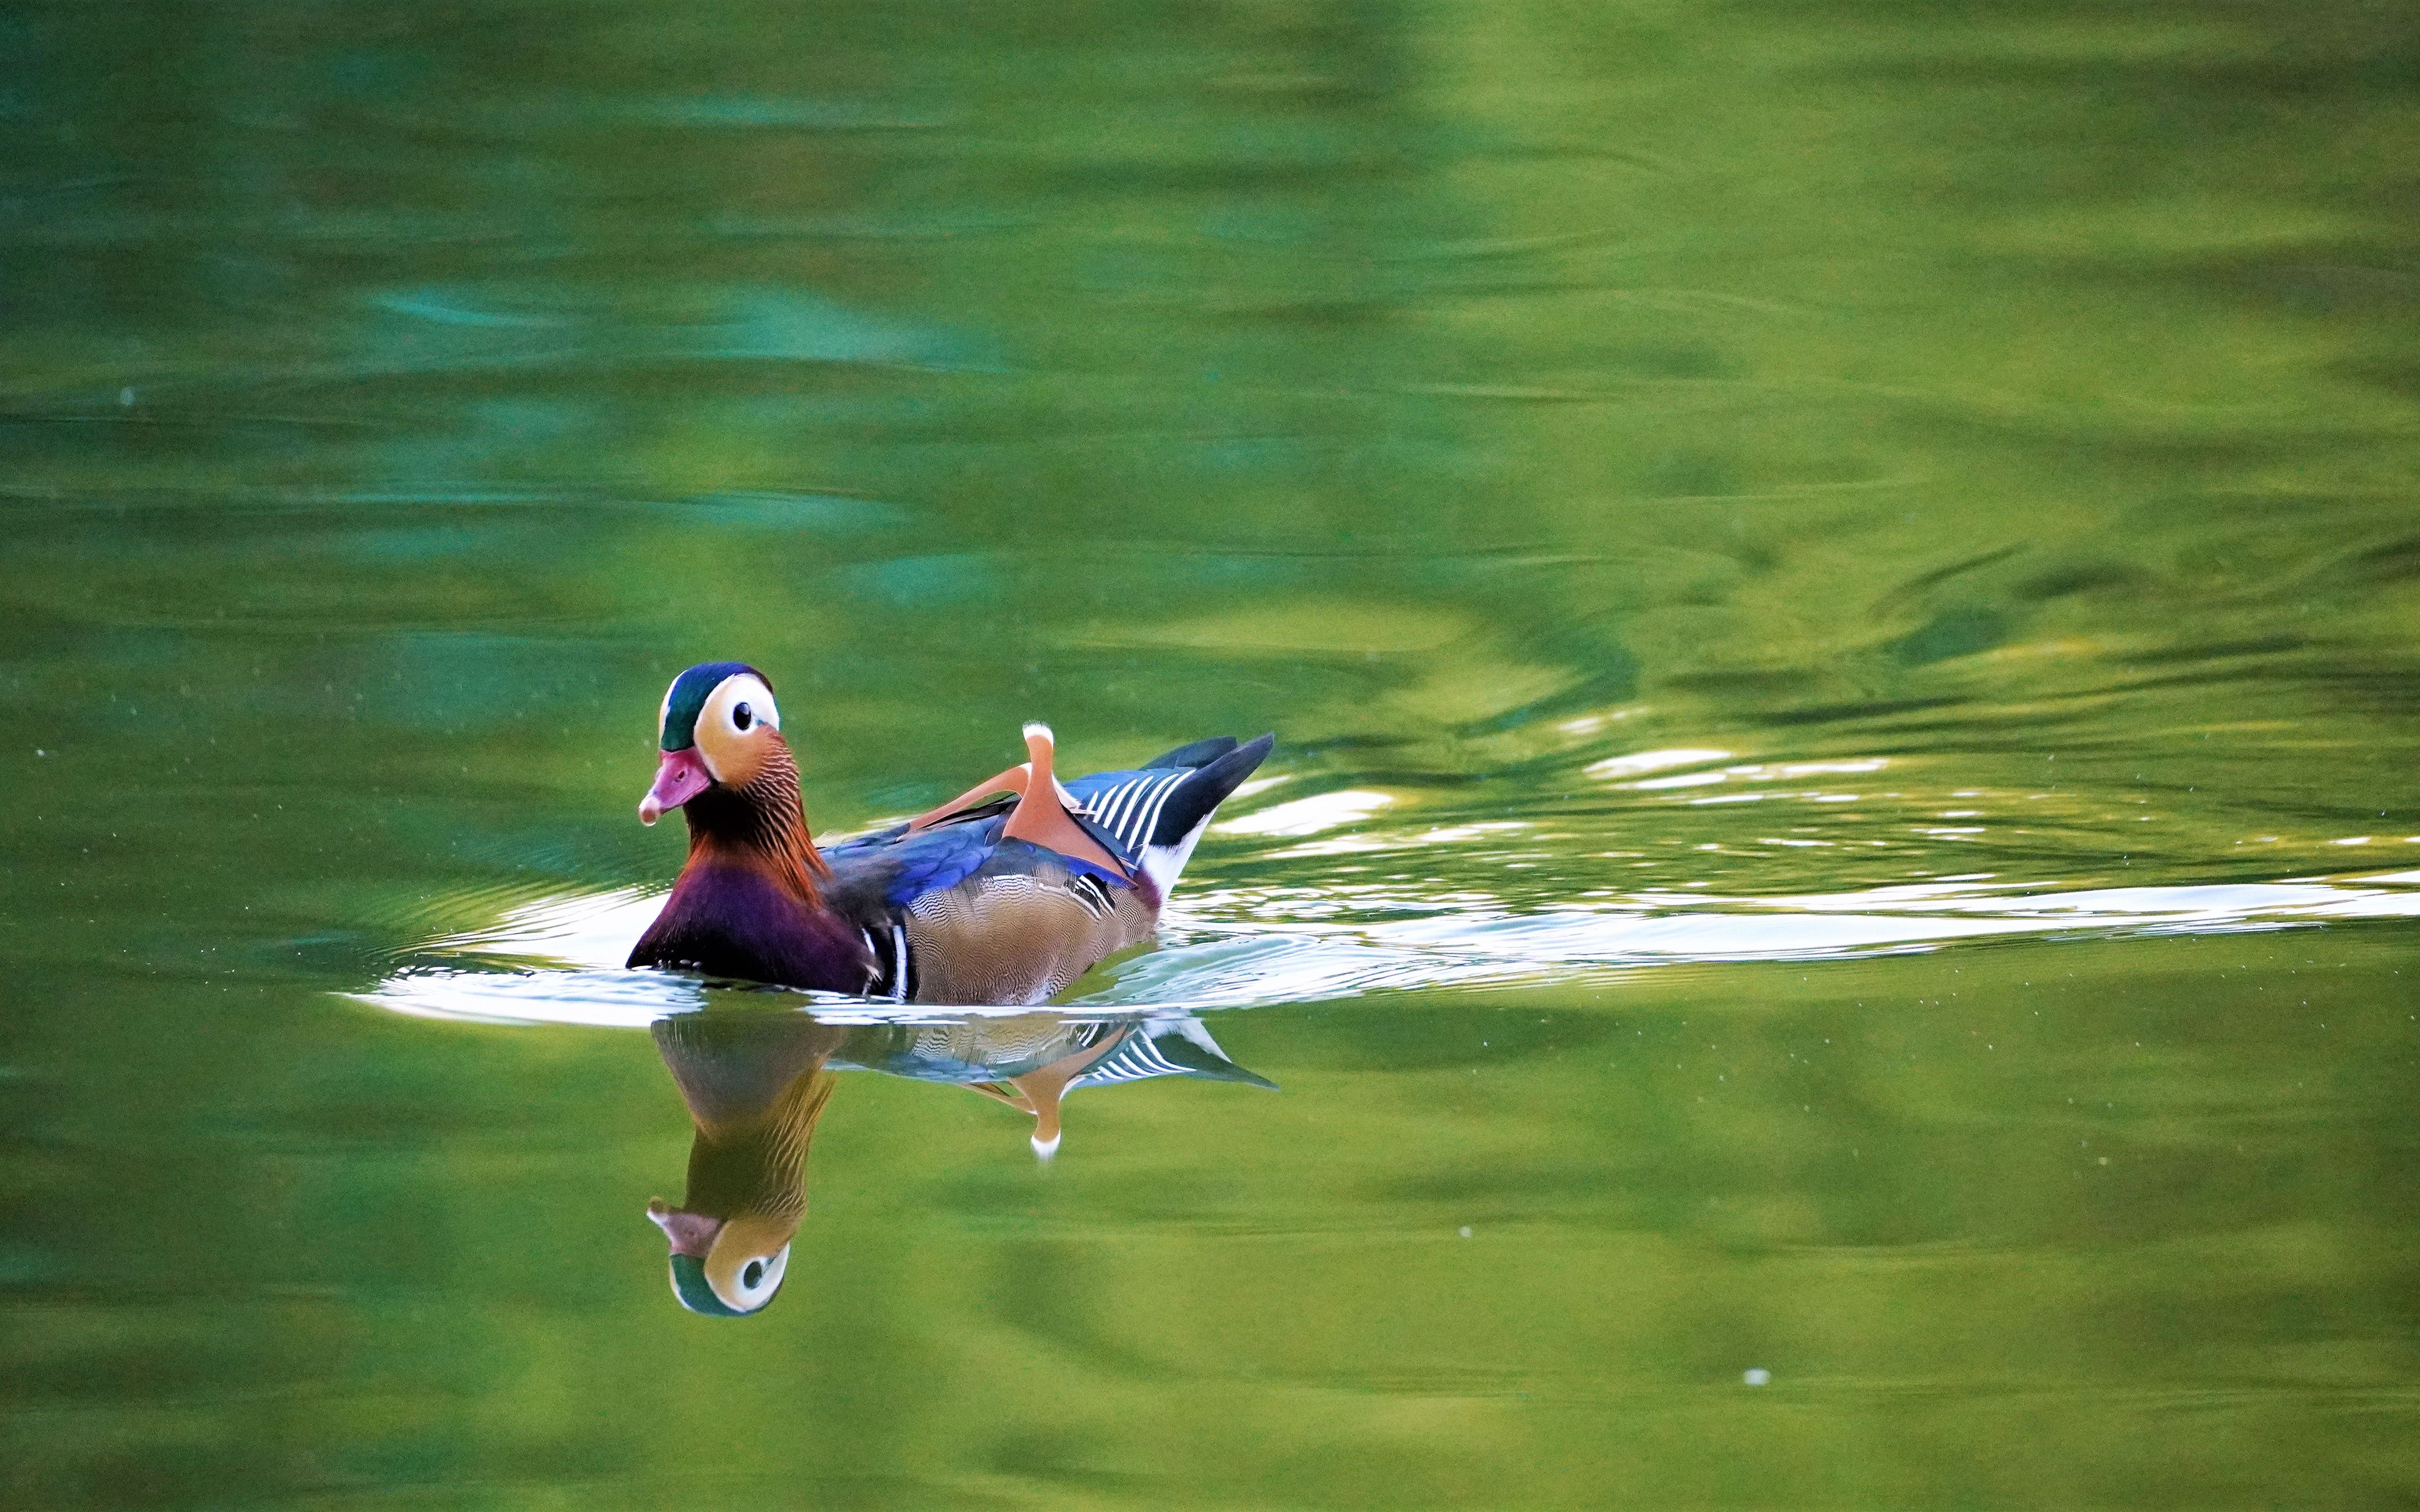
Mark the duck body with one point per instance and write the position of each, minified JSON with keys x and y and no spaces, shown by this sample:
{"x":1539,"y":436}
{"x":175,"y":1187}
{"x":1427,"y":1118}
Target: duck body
{"x":989,"y":899}
{"x":731,"y":919}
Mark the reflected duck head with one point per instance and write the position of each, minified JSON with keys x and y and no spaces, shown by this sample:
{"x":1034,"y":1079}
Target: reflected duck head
{"x":725,"y":1268}
{"x":719,"y":728}
{"x":755,"y":1088}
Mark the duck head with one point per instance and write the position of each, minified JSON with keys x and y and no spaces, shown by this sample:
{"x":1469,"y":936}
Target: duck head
{"x":719,"y":727}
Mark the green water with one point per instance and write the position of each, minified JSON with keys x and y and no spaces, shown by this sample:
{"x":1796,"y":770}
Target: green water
{"x":1838,"y":585}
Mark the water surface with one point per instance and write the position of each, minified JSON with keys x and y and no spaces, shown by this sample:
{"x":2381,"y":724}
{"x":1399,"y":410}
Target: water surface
{"x":1836,"y":585}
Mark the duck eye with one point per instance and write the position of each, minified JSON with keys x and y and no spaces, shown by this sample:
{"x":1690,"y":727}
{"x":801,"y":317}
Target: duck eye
{"x":743,"y":715}
{"x":756,"y":1271}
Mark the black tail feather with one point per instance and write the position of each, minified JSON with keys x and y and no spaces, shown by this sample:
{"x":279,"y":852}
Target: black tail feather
{"x":1199,"y":753}
{"x":1198,"y":794}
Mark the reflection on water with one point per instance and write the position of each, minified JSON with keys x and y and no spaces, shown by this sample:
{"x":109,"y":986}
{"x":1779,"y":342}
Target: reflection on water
{"x":755,"y":1086}
{"x":1840,"y":587}
{"x":757,"y":1081}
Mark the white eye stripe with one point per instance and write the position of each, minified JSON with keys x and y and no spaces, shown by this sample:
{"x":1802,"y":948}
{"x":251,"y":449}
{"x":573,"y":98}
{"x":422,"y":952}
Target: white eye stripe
{"x":769,"y":1269}
{"x":761,"y":707}
{"x":741,"y":690}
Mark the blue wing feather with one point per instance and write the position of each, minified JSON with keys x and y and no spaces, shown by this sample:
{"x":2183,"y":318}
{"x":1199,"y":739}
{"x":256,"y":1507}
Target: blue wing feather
{"x":940,"y":858}
{"x":900,"y":868}
{"x":876,"y":875}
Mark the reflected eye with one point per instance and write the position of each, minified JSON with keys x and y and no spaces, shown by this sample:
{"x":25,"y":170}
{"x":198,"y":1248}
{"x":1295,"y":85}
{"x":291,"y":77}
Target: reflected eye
{"x":752,"y":1282}
{"x":742,"y":716}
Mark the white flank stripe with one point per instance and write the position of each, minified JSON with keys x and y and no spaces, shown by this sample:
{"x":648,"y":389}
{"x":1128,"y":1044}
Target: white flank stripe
{"x":1159,"y":800}
{"x":899,"y":963}
{"x":1146,"y":810}
{"x":1138,"y":1060}
{"x":1118,"y":799}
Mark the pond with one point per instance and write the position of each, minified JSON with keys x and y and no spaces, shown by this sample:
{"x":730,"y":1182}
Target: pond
{"x":1837,"y":587}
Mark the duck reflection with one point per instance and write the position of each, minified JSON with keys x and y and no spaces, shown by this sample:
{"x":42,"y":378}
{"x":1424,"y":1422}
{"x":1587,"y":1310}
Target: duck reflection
{"x":757,"y":1082}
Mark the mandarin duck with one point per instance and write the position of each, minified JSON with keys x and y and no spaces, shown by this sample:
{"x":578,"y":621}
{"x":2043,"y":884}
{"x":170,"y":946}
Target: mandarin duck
{"x":1003,"y":895}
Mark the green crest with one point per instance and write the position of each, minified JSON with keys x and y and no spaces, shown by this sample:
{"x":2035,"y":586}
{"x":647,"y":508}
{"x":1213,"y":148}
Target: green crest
{"x":688,"y":1285}
{"x":690,"y":690}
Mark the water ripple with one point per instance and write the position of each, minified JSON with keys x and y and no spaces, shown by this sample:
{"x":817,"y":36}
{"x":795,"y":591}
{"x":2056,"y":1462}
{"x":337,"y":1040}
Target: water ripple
{"x":557,"y":959}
